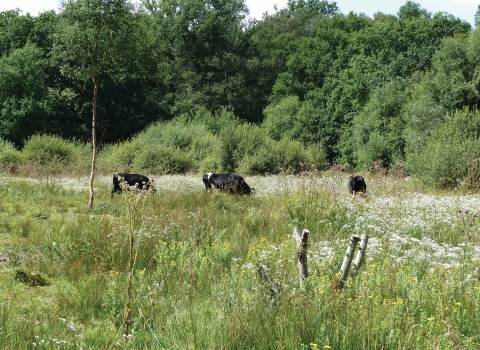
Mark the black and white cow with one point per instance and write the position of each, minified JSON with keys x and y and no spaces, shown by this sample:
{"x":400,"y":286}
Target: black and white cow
{"x":134,"y":180}
{"x":231,"y":183}
{"x":357,"y":184}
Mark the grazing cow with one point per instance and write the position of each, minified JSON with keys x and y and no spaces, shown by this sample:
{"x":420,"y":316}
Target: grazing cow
{"x":136,"y":180}
{"x":231,"y":183}
{"x":357,"y":184}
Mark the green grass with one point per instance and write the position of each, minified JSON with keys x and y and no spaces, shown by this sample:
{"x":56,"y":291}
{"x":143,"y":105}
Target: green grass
{"x":195,"y":280}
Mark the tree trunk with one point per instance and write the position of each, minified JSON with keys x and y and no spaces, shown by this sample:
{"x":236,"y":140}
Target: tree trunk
{"x":94,"y":138}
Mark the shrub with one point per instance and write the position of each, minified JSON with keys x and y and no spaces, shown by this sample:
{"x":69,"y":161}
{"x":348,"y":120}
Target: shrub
{"x":292,"y":118}
{"x":242,"y":142}
{"x":290,"y":156}
{"x":45,"y":149}
{"x":10,"y":157}
{"x":161,"y":159}
{"x":230,"y":139}
{"x":215,"y":123}
{"x":209,"y":164}
{"x":449,"y":152}
{"x":120,"y":156}
{"x":317,"y":156}
{"x":261,"y":162}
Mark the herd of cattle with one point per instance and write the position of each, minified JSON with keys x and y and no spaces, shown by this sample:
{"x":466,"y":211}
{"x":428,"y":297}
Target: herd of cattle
{"x":230,"y":183}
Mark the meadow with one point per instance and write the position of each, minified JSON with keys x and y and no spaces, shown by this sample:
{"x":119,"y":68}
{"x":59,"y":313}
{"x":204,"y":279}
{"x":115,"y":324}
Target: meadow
{"x":177,"y":269}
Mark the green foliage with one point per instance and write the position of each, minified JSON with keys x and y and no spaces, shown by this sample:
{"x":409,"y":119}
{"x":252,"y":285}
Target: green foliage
{"x":364,"y":90}
{"x":23,"y":98}
{"x":92,"y":29}
{"x":449,"y":152}
{"x":15,"y":30}
{"x":120,"y":155}
{"x":476,"y":18}
{"x":290,"y":156}
{"x":421,"y":117}
{"x":316,"y":7}
{"x":10,"y":157}
{"x":234,"y":145}
{"x":378,"y":129}
{"x":45,"y":149}
{"x":214,"y":122}
{"x":291,"y":118}
{"x":161,"y":159}
{"x":412,"y":10}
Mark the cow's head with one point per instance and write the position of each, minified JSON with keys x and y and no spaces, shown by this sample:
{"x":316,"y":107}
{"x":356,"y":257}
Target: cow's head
{"x":207,"y":180}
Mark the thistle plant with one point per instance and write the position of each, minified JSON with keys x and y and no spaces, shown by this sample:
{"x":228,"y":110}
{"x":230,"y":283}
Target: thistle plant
{"x":135,"y":201}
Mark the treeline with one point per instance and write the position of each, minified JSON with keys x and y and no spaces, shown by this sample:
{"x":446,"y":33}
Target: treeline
{"x":385,"y":92}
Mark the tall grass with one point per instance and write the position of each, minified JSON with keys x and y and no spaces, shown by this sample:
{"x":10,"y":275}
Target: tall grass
{"x":194,"y":281}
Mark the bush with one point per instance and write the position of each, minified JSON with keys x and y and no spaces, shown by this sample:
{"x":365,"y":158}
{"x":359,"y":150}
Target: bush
{"x":230,"y":139}
{"x":10,"y":157}
{"x":160,"y":159}
{"x":177,"y":146}
{"x":45,"y":149}
{"x":449,"y":152}
{"x":261,"y":162}
{"x":215,"y":123}
{"x":317,"y":157}
{"x":292,"y":118}
{"x":120,"y":156}
{"x":290,"y":156}
{"x":242,"y":142}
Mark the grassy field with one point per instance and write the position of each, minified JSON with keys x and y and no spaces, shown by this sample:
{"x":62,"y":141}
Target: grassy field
{"x":178,"y":269}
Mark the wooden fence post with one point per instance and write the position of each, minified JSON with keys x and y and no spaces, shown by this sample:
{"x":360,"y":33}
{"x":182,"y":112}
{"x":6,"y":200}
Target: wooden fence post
{"x":360,"y":257}
{"x":347,"y":261}
{"x":302,"y":248}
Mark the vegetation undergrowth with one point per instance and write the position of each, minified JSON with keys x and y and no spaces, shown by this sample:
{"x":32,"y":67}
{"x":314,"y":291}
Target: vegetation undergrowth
{"x":180,"y":266}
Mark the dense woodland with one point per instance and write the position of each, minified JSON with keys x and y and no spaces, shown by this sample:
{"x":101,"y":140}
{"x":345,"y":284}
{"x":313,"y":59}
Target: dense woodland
{"x":392,"y":91}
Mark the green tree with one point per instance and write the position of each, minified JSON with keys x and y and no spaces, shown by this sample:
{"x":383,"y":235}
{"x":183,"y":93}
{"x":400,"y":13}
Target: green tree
{"x":412,"y":9}
{"x":15,"y":30}
{"x":378,"y":128}
{"x":322,"y":7}
{"x":291,"y":118}
{"x":450,"y":151}
{"x":93,"y":38}
{"x":476,"y":18}
{"x":202,"y":51}
{"x":24,"y":106}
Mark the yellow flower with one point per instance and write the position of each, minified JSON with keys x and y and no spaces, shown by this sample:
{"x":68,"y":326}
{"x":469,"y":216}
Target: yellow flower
{"x":431,"y":318}
{"x":458,"y":303}
{"x":327,"y":347}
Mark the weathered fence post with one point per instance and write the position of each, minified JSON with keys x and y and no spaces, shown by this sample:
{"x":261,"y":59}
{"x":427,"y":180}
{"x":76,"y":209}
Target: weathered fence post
{"x":347,"y":261}
{"x":264,"y":276}
{"x":360,"y":257}
{"x":302,"y":247}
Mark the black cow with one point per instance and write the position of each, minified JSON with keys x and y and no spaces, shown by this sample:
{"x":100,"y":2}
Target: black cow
{"x":231,"y":183}
{"x":137,"y":180}
{"x":357,"y":184}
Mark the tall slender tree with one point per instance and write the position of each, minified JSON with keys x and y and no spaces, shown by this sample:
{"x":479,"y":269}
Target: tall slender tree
{"x":93,"y":38}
